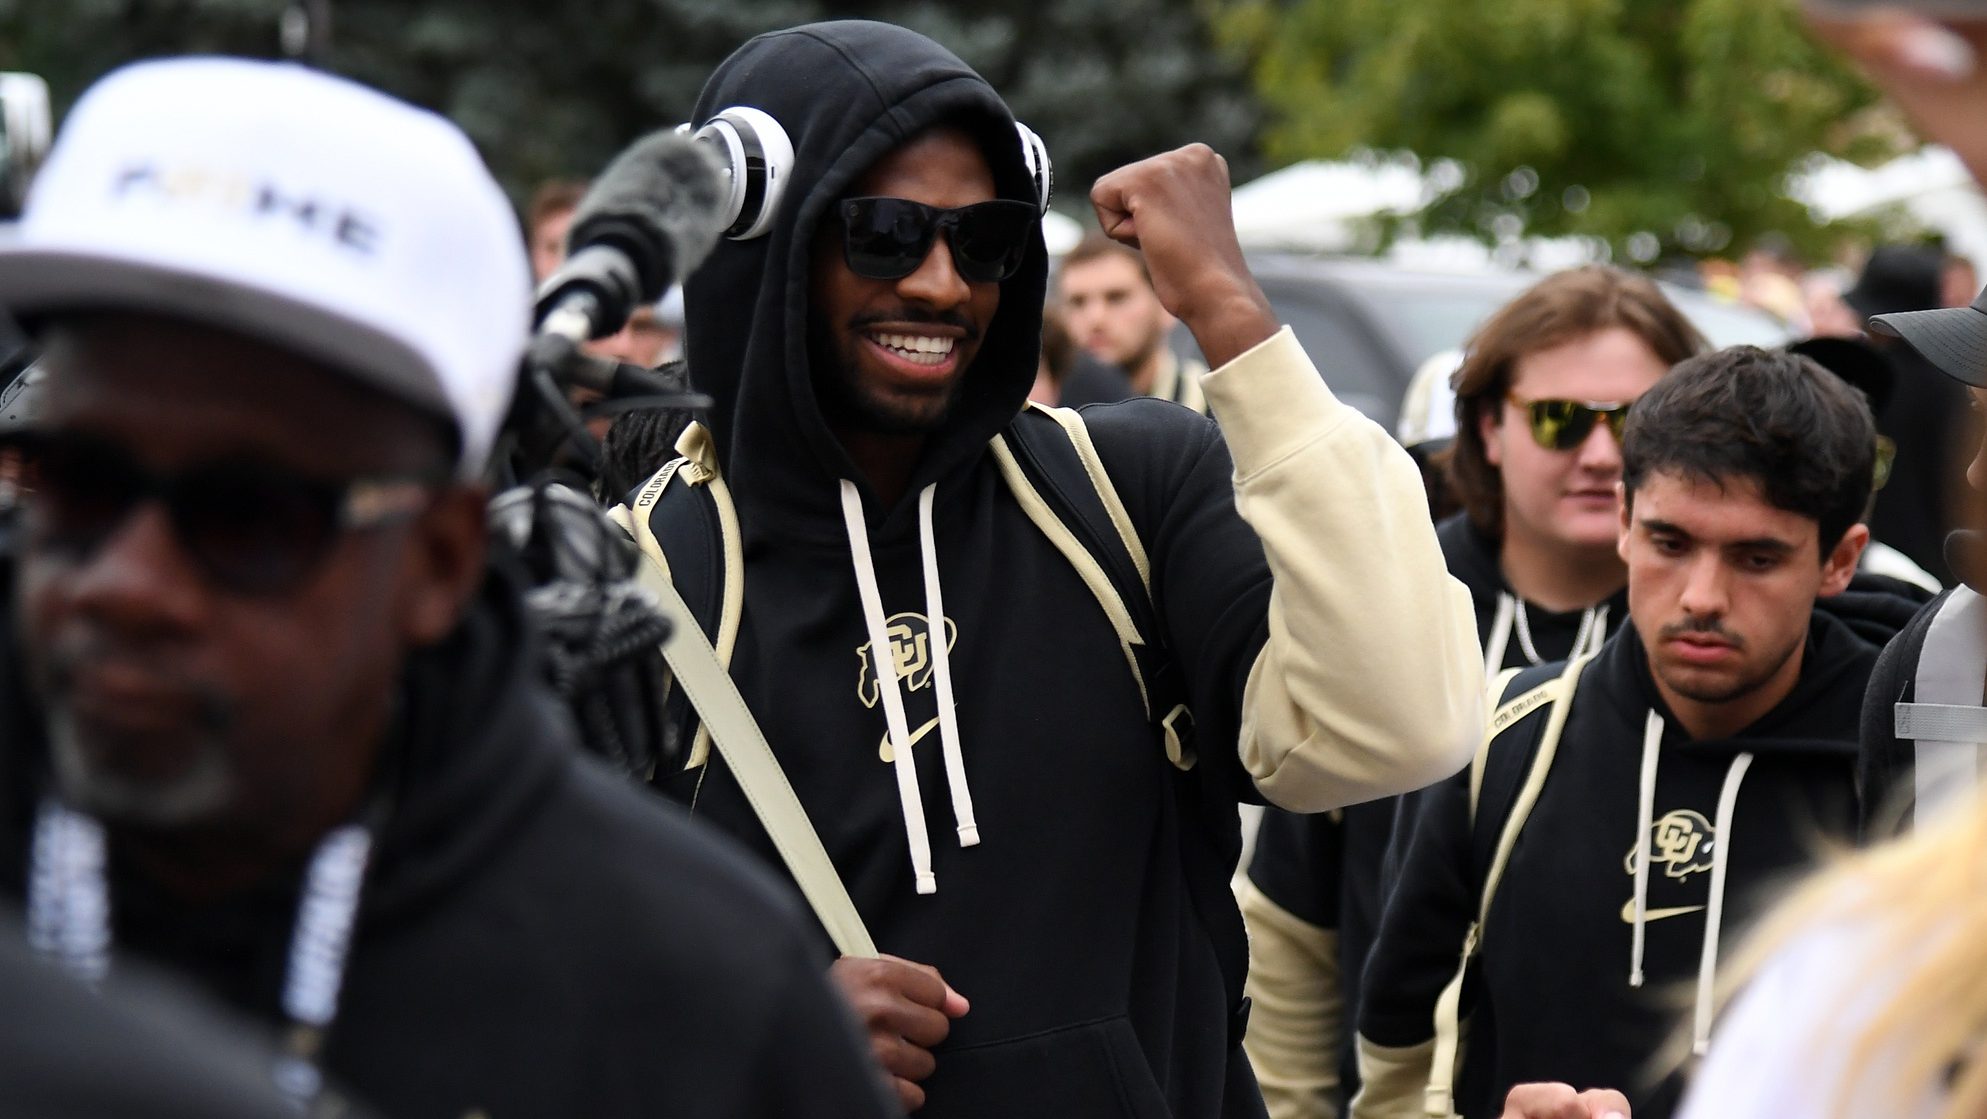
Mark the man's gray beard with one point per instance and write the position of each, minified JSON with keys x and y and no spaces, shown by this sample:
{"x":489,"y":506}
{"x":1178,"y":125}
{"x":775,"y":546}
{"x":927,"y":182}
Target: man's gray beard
{"x":193,"y":797}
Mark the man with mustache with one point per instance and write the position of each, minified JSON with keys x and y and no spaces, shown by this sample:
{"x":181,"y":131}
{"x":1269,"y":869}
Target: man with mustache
{"x":1697,"y":758}
{"x":956,"y":708}
{"x":278,"y":727}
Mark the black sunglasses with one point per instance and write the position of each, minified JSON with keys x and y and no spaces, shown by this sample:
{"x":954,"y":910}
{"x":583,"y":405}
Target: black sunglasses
{"x":888,"y":238}
{"x":251,"y":528}
{"x":1561,"y":425}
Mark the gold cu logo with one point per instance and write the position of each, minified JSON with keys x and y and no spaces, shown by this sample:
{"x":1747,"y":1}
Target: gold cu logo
{"x":1681,"y":842}
{"x":909,"y":636}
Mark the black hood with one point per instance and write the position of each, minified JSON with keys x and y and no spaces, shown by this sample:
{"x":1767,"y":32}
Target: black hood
{"x":847,"y":93}
{"x":1819,"y":717}
{"x":481,"y":739}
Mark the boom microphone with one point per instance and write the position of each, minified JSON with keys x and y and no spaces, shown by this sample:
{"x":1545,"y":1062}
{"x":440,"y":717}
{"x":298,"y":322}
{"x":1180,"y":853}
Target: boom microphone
{"x":651,"y":217}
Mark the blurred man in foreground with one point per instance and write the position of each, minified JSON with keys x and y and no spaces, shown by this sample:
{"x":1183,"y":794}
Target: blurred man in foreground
{"x":281,"y":729}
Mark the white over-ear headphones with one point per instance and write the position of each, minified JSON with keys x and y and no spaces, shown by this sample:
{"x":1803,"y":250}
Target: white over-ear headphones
{"x":757,"y":156}
{"x":1035,"y":154}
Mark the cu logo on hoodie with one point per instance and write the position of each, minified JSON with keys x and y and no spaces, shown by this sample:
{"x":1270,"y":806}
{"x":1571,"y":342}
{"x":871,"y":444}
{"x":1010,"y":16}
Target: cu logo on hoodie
{"x":909,"y":636}
{"x":1680,"y":843}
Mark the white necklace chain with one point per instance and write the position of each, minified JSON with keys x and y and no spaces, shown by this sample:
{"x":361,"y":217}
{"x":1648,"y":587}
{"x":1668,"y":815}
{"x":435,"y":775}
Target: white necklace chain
{"x":1523,"y":627}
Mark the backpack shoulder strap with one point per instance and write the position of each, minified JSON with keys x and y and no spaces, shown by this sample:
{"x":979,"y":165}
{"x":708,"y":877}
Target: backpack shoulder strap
{"x":1071,"y":421}
{"x":1052,"y":467}
{"x":1506,"y":777}
{"x":688,"y":504}
{"x":700,"y":670}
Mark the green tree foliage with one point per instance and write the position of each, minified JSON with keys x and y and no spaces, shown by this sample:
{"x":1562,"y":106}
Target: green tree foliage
{"x":1674,"y":120}
{"x":549,"y":90}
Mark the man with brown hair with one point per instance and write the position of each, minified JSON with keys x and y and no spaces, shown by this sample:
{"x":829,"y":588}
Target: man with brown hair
{"x":1540,"y":398}
{"x":1108,"y":305}
{"x":546,"y":220}
{"x":1631,"y":808}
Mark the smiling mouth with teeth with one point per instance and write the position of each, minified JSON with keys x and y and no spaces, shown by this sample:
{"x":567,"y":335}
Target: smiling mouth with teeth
{"x":918,"y":349}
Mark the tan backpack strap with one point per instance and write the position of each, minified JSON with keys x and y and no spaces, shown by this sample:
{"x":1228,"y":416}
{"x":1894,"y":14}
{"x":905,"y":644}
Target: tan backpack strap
{"x":705,"y":681}
{"x":1482,"y":757}
{"x":1439,"y":1101}
{"x":1079,"y":557}
{"x":698,"y":467}
{"x":1086,"y":451}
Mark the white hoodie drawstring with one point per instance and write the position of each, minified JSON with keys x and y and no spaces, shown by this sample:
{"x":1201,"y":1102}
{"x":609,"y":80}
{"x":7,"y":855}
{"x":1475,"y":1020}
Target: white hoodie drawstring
{"x":68,"y":895}
{"x":909,"y":799}
{"x":1652,"y":740}
{"x":941,"y":665}
{"x":1707,"y":966}
{"x":1721,"y":854}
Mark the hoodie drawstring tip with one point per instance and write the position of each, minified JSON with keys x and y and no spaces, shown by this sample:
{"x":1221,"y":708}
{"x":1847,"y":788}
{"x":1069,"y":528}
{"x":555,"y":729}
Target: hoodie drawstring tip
{"x":969,"y":835}
{"x":927,"y":883}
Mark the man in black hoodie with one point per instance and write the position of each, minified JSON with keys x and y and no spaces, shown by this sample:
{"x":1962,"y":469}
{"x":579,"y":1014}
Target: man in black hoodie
{"x":1705,"y":751}
{"x":282,"y":732}
{"x":1076,"y":950}
{"x":1922,"y":724}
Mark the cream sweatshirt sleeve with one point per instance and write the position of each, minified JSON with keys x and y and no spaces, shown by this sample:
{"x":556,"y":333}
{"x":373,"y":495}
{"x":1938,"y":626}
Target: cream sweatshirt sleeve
{"x":1370,"y":682}
{"x":1300,"y":1011}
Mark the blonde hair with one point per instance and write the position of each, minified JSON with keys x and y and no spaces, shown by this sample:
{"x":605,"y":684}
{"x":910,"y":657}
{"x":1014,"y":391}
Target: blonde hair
{"x":1925,"y":898}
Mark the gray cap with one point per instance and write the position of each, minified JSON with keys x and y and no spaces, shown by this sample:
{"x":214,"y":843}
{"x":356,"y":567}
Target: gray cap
{"x":1952,"y":338}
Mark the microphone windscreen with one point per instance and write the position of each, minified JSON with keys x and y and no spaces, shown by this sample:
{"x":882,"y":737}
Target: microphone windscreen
{"x":661,"y":201}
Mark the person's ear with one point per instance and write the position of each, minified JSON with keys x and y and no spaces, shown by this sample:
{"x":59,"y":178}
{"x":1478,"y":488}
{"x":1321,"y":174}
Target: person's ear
{"x":1624,"y":502}
{"x":1840,"y":564}
{"x":1489,"y":418}
{"x":447,"y":548}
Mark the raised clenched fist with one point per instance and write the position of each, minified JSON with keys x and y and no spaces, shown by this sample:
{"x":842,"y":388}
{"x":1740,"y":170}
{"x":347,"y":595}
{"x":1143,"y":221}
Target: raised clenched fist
{"x":1177,"y":209}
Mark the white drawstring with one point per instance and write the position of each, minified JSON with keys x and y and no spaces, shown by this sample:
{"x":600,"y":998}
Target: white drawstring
{"x":1707,"y":966}
{"x":911,"y":803}
{"x":1500,"y":636}
{"x":909,"y":798}
{"x":68,"y":898}
{"x":941,"y":660}
{"x":1652,"y":740}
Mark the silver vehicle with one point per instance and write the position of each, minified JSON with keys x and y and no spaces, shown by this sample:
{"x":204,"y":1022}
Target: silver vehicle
{"x":1368,"y":325}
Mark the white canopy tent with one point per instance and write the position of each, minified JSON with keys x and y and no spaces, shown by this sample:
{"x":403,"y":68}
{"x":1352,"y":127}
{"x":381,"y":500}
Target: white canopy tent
{"x":1327,"y":206}
{"x":1322,"y":206}
{"x":1929,"y":189}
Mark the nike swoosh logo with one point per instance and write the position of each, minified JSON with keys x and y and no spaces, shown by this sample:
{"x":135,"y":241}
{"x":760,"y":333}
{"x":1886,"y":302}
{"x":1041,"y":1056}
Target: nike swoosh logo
{"x":889,"y":755}
{"x":1648,"y":915}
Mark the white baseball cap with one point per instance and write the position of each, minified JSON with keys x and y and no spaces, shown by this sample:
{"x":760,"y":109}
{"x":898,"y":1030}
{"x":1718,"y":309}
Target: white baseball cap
{"x":294,"y":206}
{"x":1428,"y":410}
